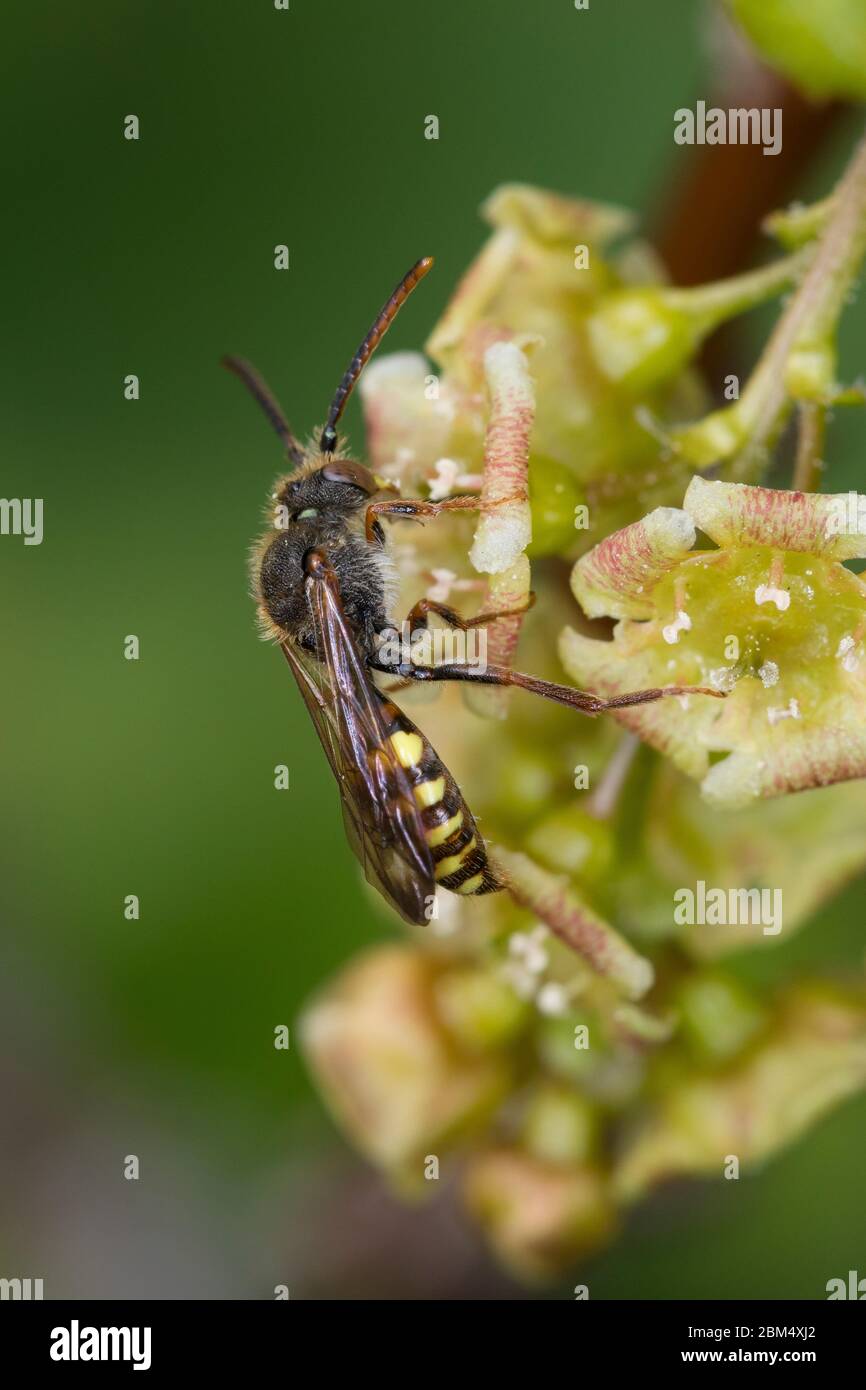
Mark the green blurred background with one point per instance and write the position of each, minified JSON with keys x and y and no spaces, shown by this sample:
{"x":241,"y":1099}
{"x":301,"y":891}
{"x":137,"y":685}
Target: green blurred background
{"x":155,"y":777}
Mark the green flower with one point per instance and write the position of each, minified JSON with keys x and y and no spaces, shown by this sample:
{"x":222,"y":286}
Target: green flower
{"x":770,"y":615}
{"x":609,"y":347}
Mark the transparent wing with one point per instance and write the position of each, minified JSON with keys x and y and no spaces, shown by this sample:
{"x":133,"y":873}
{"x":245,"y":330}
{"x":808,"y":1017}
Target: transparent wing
{"x":383,"y":824}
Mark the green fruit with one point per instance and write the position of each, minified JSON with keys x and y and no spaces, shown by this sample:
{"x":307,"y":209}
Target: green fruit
{"x":523,"y":785}
{"x":819,"y":44}
{"x":718,"y":1017}
{"x":571,"y":841}
{"x":554,"y":496}
{"x":639,"y":340}
{"x":559,"y":1126}
{"x":478,"y":1008}
{"x":554,"y":1040}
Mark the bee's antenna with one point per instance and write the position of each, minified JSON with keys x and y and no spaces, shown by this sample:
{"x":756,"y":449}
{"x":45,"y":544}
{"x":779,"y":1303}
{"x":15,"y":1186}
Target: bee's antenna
{"x":382,"y":323}
{"x":268,"y":402}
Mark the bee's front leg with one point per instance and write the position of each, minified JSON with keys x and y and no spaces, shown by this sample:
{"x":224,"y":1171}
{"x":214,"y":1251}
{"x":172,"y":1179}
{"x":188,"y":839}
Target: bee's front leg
{"x":414,"y":509}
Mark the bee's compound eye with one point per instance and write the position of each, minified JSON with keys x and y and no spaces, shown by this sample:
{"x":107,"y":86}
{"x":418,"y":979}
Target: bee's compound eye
{"x":347,"y":471}
{"x":308,"y":511}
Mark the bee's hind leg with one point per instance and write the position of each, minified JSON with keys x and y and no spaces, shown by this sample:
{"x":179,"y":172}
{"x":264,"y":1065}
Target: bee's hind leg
{"x":568,"y":695}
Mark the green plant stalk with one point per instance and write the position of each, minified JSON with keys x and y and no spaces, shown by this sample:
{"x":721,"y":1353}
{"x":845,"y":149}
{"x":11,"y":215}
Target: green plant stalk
{"x":795,"y":226}
{"x":713,"y":303}
{"x":798,"y":361}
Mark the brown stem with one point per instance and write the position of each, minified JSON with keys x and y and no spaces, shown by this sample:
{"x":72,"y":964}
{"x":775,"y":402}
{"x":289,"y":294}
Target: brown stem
{"x":810,"y":446}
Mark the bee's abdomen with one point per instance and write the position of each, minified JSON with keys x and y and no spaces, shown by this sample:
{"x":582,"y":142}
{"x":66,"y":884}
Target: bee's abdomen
{"x":459,"y":854}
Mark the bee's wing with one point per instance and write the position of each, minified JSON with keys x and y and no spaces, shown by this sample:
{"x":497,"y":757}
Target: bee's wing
{"x":383,"y":823}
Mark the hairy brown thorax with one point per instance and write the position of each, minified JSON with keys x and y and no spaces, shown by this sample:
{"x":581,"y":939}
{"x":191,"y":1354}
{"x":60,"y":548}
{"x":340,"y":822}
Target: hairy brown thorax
{"x":321,"y":506}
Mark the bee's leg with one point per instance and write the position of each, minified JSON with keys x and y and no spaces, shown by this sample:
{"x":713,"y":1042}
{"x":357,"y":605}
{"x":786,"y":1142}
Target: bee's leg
{"x":417,"y":616}
{"x":418,"y":509}
{"x":416,"y":620}
{"x":549,"y":690}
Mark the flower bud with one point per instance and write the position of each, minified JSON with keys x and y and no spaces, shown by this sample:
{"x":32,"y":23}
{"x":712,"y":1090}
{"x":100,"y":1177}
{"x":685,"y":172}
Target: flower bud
{"x":539,"y":1216}
{"x":396,"y":1080}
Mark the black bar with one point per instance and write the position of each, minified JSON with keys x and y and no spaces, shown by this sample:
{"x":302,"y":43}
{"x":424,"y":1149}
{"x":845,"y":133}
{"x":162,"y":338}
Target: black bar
{"x":218,"y":1338}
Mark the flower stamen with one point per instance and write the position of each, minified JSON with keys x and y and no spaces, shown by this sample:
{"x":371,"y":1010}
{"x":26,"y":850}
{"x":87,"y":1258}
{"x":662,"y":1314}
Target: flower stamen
{"x":773,"y":592}
{"x":682,"y":622}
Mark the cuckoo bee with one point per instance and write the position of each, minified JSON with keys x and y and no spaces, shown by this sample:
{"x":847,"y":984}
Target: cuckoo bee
{"x":322,"y":581}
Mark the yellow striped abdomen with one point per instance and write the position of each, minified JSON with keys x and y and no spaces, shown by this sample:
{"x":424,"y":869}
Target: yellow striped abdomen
{"x":460,"y":861}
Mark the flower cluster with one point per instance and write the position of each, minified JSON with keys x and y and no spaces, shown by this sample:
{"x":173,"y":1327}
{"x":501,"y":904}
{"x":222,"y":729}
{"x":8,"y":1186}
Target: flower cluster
{"x":564,"y":1047}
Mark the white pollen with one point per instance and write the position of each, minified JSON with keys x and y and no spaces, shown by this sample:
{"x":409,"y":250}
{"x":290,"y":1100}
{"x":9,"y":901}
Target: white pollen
{"x":681,"y":623}
{"x":440,"y":590}
{"x":723,"y":678}
{"x":552,"y":999}
{"x":528,"y":950}
{"x":792,"y":711}
{"x":848,"y":654}
{"x":768,"y":593}
{"x":536,"y":961}
{"x":769,"y":674}
{"x":446,"y":471}
{"x":520,"y":980}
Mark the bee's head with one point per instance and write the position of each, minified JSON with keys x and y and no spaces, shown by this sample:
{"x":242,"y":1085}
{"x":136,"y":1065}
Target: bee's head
{"x":331,"y":490}
{"x":314,"y":508}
